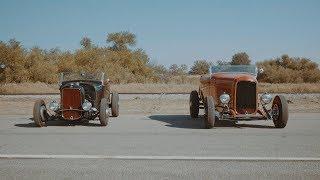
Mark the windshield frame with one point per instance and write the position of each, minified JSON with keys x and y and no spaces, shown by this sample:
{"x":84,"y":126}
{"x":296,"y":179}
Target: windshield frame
{"x":235,"y":69}
{"x":81,"y":76}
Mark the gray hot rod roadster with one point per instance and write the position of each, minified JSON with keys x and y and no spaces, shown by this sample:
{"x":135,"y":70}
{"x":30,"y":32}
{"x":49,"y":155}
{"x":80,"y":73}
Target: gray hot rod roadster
{"x":83,"y":97}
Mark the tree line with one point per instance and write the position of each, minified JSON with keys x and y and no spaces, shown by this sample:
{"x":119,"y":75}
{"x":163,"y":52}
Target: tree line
{"x":124,"y":63}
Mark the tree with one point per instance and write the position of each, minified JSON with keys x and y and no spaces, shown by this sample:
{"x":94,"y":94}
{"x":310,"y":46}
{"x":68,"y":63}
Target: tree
{"x":13,"y":55}
{"x":175,"y":70}
{"x":121,"y":40}
{"x":286,"y":69}
{"x":86,"y":42}
{"x":200,"y":67}
{"x":14,"y":44}
{"x":159,"y":69}
{"x":241,"y":58}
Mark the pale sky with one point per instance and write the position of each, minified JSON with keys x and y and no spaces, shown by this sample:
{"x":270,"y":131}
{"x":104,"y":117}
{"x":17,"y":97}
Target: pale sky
{"x":171,"y":31}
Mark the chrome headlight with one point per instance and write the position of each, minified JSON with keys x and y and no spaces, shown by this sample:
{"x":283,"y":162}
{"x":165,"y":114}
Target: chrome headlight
{"x":266,"y":98}
{"x":224,"y":98}
{"x":54,"y":106}
{"x":86,"y":105}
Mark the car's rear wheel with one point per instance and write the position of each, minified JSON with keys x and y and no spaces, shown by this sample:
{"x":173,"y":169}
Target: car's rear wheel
{"x":194,"y":103}
{"x":115,"y":104}
{"x":39,"y":113}
{"x":280,"y":111}
{"x":104,"y":112}
{"x":210,"y":113}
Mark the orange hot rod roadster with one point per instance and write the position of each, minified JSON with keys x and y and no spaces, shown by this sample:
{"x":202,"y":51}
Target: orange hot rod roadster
{"x":229,"y":92}
{"x":83,"y":97}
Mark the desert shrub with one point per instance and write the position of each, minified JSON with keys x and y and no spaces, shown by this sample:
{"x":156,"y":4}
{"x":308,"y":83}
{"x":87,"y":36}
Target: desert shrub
{"x":121,"y":63}
{"x":160,"y":73}
{"x":200,"y":67}
{"x":289,"y":70}
{"x":178,"y":70}
{"x":39,"y":67}
{"x":241,"y":58}
{"x":13,"y":55}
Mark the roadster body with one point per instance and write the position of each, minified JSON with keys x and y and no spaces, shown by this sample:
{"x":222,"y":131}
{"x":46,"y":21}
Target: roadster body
{"x":83,"y":97}
{"x":229,"y":92}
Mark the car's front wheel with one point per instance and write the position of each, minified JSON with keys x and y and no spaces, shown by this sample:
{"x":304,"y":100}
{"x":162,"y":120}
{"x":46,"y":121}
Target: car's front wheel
{"x":194,"y":103}
{"x":280,"y":111}
{"x":104,"y":112}
{"x":210,"y":113}
{"x":39,"y":113}
{"x":115,"y":104}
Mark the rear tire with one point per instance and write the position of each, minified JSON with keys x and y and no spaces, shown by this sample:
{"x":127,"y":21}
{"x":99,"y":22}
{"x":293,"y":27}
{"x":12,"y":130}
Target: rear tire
{"x":210,"y":113}
{"x":280,"y":111}
{"x":115,"y":104}
{"x":39,"y":113}
{"x":104,"y":112}
{"x":194,"y":103}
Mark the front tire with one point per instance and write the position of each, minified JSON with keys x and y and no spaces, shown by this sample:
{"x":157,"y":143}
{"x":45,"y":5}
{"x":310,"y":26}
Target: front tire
{"x":280,"y":111}
{"x":39,"y":113}
{"x":210,"y":113}
{"x":115,"y":104}
{"x":104,"y":113}
{"x":194,"y":103}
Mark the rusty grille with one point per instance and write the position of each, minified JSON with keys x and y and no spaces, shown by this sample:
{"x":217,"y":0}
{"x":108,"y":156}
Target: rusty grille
{"x":246,"y":97}
{"x":71,"y":103}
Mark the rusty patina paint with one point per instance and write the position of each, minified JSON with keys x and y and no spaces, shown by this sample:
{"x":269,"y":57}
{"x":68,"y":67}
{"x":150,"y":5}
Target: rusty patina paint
{"x":218,"y":83}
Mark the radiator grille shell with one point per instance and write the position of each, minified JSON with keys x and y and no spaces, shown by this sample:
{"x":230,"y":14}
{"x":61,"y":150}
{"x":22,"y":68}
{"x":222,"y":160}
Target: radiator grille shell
{"x":71,"y":100}
{"x":246,"y":97}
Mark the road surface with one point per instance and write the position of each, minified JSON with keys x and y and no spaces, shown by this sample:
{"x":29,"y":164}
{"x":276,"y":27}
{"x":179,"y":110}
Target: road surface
{"x":157,"y":140}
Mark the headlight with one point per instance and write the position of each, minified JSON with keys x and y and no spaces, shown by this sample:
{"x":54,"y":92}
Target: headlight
{"x":266,"y":98}
{"x":86,"y":105}
{"x":54,"y":106}
{"x":224,"y":98}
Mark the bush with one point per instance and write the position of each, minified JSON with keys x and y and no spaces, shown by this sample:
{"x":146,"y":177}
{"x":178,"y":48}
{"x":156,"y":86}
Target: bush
{"x":241,"y":58}
{"x":200,"y":67}
{"x":289,"y":70}
{"x":120,"y":63}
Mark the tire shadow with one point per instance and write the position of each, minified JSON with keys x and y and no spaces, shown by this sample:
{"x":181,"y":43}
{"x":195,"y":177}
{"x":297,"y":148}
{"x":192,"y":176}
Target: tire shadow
{"x":254,"y":126}
{"x":179,"y":121}
{"x":60,"y":123}
{"x":185,"y":121}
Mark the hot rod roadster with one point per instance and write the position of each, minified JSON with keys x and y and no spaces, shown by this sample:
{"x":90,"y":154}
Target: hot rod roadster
{"x":230,"y":93}
{"x":83,"y":97}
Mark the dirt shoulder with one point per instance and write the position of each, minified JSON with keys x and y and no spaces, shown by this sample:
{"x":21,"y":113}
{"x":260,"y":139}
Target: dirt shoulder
{"x":149,"y":104}
{"x":42,"y":88}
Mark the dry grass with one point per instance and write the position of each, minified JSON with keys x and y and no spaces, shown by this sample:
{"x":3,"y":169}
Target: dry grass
{"x":28,"y":88}
{"x":290,"y":88}
{"x":42,"y":88}
{"x":154,"y":88}
{"x":187,"y":88}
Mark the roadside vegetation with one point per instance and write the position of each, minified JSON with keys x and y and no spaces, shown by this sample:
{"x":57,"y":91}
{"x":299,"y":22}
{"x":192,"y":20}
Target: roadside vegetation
{"x":124,"y":63}
{"x":44,"y":88}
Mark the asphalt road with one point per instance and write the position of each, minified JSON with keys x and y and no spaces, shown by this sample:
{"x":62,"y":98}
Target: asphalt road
{"x":159,"y":146}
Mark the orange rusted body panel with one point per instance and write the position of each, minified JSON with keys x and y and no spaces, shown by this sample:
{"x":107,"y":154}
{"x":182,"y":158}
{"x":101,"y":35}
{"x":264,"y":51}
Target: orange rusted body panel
{"x":216,"y":84}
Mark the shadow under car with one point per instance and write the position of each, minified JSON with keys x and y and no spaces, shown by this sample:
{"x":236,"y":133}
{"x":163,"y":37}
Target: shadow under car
{"x":185,"y":121}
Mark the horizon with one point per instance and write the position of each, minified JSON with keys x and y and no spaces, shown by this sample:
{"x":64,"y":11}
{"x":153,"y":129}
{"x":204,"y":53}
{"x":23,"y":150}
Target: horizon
{"x":171,"y":32}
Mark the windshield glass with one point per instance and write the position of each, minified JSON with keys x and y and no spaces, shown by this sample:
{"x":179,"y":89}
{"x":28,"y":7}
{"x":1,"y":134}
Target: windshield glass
{"x":251,"y":69}
{"x":72,"y":76}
